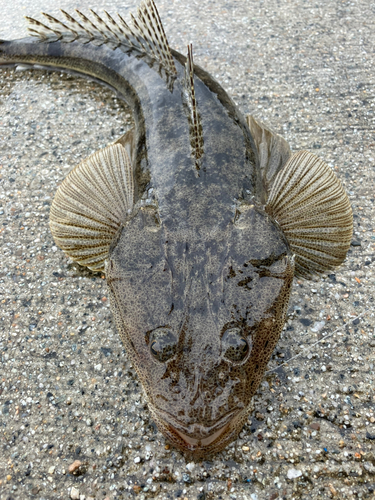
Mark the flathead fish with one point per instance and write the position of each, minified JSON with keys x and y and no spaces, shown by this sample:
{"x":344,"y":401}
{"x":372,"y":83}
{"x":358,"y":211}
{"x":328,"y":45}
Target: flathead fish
{"x":199,"y":217}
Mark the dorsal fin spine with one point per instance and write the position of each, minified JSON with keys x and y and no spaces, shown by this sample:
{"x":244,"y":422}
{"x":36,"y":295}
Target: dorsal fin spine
{"x":116,"y":27}
{"x":127,"y":27}
{"x":59,"y":23}
{"x":35,"y":32}
{"x":90,"y":23}
{"x":155,"y":47}
{"x":144,"y":15}
{"x":102,"y":23}
{"x":163,"y":42}
{"x":76,"y":24}
{"x":145,"y":42}
{"x":191,"y":102}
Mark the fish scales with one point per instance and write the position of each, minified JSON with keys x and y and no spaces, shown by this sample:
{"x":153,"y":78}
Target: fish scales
{"x":199,"y":216}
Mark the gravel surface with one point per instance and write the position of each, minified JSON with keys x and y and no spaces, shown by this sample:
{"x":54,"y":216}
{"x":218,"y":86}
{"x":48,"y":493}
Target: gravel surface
{"x":73,"y":420}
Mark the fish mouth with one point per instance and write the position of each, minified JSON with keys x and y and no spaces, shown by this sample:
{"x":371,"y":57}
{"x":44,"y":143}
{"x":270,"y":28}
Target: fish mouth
{"x":197,"y":439}
{"x":199,"y":442}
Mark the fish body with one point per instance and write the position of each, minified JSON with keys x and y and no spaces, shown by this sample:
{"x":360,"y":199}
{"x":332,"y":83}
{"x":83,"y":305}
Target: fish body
{"x":199,"y":216}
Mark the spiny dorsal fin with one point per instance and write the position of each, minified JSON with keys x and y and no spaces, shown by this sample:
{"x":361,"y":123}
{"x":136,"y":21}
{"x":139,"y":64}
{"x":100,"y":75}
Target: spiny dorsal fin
{"x":147,"y":34}
{"x":196,"y":131}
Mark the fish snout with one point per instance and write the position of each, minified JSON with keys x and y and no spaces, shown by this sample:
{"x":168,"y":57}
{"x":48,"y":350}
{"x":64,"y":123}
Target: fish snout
{"x":197,"y":439}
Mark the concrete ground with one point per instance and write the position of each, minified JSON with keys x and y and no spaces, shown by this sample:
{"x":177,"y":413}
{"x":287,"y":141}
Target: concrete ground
{"x":68,"y":392}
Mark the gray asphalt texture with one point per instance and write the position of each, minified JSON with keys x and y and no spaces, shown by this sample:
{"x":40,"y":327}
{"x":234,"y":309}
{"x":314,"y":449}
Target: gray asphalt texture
{"x":67,"y":390}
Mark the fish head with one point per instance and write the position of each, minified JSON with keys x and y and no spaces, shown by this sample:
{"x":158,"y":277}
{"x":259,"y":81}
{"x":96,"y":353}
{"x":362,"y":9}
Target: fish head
{"x":200,"y":314}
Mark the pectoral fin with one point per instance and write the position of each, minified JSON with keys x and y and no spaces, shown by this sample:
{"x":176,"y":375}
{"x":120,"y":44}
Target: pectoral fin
{"x":310,"y":204}
{"x":91,"y":204}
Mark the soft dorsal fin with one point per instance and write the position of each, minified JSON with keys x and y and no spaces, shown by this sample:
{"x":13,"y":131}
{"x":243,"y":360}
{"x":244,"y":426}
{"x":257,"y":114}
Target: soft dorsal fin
{"x":92,"y":203}
{"x":147,"y":34}
{"x":196,"y":132}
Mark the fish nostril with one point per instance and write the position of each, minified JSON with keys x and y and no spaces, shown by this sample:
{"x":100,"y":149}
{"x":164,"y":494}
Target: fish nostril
{"x":246,"y":282}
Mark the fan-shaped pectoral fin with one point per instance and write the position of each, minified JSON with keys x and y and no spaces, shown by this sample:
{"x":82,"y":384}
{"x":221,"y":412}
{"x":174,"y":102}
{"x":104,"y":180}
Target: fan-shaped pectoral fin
{"x":92,"y":203}
{"x":310,"y":205}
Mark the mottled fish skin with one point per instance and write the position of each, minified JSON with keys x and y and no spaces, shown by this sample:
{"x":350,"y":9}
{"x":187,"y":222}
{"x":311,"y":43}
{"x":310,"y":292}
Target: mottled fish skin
{"x":200,"y":276}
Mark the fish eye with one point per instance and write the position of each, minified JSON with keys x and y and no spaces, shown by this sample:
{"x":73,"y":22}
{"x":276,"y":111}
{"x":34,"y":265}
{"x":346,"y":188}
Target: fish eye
{"x":234,"y":344}
{"x":163,"y":344}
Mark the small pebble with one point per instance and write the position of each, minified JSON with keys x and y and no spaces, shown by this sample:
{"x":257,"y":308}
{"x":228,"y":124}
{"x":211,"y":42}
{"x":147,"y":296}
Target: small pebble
{"x":332,"y":489}
{"x":315,"y":426}
{"x":369,"y":467}
{"x":74,"y":493}
{"x":293,"y":473}
{"x":318,"y":325}
{"x":74,"y":466}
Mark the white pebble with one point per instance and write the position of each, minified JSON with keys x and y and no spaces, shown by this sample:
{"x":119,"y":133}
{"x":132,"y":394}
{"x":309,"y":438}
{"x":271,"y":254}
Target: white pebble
{"x":318,"y":325}
{"x":74,"y":494}
{"x":293,"y":473}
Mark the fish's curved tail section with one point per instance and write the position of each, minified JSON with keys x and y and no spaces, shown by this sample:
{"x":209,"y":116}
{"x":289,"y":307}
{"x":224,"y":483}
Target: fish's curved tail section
{"x":51,"y":42}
